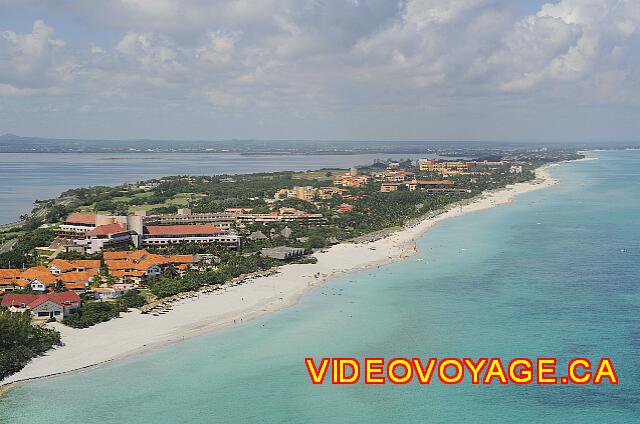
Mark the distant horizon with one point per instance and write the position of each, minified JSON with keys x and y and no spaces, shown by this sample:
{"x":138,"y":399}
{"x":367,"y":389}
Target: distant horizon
{"x":16,"y":137}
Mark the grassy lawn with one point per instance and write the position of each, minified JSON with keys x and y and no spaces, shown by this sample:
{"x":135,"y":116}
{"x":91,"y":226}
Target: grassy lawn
{"x":180,"y":200}
{"x":143,"y":194}
{"x":176,"y":201}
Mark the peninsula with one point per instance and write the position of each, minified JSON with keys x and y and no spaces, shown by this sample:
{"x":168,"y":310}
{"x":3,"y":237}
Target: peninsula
{"x":179,"y":256}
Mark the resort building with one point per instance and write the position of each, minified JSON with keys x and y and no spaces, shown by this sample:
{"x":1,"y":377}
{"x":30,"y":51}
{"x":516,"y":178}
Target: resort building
{"x":113,"y":292}
{"x":326,"y":193}
{"x":487,"y":163}
{"x":425,"y":184}
{"x":433,"y":187}
{"x":283,"y":215}
{"x":136,"y":266}
{"x":302,"y":193}
{"x":61,"y":266}
{"x":515,"y":169}
{"x":392,"y":175}
{"x":166,"y":235}
{"x":348,"y":180}
{"x":344,"y":208}
{"x":37,"y":279}
{"x":109,"y":236}
{"x":116,"y":232}
{"x":43,"y":279}
{"x":225,"y":221}
{"x":77,"y":225}
{"x":9,"y":279}
{"x":43,"y":306}
{"x":389,"y":187}
{"x":77,"y":281}
{"x":435,"y":166}
{"x":238,"y":210}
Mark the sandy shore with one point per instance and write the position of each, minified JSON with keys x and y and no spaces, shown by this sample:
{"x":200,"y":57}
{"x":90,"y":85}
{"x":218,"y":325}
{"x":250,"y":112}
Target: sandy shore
{"x":135,"y":332}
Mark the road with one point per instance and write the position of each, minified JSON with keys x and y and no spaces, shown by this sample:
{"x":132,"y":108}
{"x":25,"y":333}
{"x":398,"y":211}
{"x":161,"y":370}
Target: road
{"x":8,"y":246}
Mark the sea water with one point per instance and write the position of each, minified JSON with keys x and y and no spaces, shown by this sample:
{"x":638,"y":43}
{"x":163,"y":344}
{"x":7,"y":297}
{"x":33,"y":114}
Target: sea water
{"x":555,"y":273}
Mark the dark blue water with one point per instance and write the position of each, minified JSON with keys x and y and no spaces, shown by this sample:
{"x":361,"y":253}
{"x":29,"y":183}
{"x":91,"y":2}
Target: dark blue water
{"x":555,"y":273}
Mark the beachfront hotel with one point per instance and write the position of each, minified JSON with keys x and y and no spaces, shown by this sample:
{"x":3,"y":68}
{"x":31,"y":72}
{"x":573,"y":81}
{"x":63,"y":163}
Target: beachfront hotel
{"x":283,"y":215}
{"x":393,"y":175}
{"x":427,"y":186}
{"x":136,"y":266}
{"x":350,"y":180}
{"x":430,"y":165}
{"x":93,"y":233}
{"x":43,"y":306}
{"x":73,"y":275}
{"x":78,"y":275}
{"x":167,"y":235}
{"x":302,"y":193}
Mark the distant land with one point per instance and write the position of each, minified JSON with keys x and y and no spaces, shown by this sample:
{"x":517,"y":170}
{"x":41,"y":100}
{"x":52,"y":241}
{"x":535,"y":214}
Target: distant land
{"x":11,"y":143}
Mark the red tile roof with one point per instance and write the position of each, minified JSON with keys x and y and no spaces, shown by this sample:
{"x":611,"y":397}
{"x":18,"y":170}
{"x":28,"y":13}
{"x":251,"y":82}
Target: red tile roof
{"x":9,"y":273}
{"x":69,"y":265}
{"x":17,"y":299}
{"x":33,"y":300}
{"x":40,"y":273}
{"x":119,"y":264}
{"x":182,"y":230}
{"x":75,"y":286}
{"x":146,"y":261}
{"x":61,"y":264}
{"x":135,"y":255}
{"x":81,"y":218}
{"x":106,"y":230}
{"x":181,"y":259}
{"x":86,"y":263}
{"x":77,"y":276}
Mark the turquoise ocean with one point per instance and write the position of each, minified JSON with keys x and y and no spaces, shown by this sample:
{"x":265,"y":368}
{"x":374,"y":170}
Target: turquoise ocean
{"x":555,"y":273}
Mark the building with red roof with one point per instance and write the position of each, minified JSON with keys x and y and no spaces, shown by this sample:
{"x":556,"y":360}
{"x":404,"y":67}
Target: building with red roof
{"x":43,"y":306}
{"x":60,"y":266}
{"x":344,"y":208}
{"x":77,"y":225}
{"x":107,"y":236}
{"x":136,"y":266}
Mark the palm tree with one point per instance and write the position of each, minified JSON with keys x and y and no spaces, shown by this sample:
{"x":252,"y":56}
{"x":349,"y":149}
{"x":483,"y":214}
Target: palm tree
{"x":170,"y":271}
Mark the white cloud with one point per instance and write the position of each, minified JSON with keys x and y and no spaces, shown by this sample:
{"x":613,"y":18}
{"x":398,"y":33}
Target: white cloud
{"x":314,"y":58}
{"x":29,"y":60}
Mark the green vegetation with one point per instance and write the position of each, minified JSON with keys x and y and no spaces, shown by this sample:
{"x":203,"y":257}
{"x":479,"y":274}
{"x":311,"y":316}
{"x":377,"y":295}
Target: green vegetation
{"x":233,"y":265}
{"x":94,"y":312}
{"x":22,"y":341}
{"x":23,"y":252}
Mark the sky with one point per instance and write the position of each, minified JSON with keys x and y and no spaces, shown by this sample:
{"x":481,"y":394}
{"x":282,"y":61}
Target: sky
{"x":508,"y":70}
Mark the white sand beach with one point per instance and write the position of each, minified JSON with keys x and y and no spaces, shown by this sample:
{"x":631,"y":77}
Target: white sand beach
{"x":135,"y":332}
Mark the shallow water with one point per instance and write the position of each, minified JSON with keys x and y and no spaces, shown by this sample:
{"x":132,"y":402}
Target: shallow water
{"x":555,"y":273}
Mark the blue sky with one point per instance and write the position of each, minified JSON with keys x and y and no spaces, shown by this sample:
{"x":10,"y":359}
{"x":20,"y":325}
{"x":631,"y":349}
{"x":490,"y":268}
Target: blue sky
{"x":565,"y":70}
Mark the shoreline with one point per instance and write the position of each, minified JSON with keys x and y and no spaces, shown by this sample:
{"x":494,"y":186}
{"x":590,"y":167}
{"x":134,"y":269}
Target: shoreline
{"x":134,"y":333}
